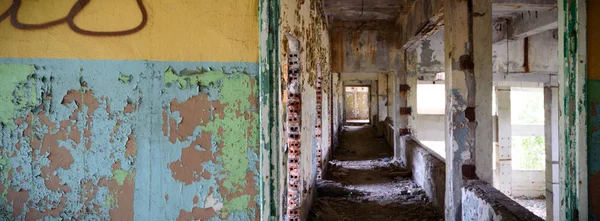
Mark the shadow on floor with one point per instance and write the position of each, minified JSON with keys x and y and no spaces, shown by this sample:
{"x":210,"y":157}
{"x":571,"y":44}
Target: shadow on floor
{"x":363,"y":183}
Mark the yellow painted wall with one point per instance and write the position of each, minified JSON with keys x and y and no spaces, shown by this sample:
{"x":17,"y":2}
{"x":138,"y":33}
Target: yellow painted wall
{"x":177,"y":30}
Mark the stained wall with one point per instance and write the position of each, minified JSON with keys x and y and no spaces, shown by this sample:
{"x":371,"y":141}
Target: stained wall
{"x":157,"y":124}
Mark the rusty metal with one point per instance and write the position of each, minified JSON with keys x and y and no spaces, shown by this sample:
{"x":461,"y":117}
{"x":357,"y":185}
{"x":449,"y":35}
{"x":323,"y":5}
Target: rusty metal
{"x":468,"y":172}
{"x":470,"y":114}
{"x":404,"y":88}
{"x":294,"y":114}
{"x":404,"y":131}
{"x":405,"y":110}
{"x":318,"y":125}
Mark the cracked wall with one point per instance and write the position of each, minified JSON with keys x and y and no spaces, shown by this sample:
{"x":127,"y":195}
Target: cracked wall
{"x":161,"y":132}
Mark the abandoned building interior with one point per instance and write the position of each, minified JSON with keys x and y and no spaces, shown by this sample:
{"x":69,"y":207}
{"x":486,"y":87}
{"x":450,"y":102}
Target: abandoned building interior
{"x":299,"y":110}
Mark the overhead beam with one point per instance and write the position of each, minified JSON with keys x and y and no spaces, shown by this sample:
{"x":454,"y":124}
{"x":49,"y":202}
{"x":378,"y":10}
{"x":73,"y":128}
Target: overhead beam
{"x":523,"y":5}
{"x":525,"y":24}
{"x":426,"y":17}
{"x":423,"y":20}
{"x":546,"y":78}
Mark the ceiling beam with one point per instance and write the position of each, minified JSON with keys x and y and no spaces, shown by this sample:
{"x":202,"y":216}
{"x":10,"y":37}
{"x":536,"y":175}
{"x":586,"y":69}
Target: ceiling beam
{"x":525,"y":24}
{"x":524,"y":5}
{"x":530,"y":17}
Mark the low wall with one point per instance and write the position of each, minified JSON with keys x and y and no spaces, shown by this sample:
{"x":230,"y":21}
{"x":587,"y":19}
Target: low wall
{"x":428,"y":170}
{"x":530,"y":183}
{"x":386,"y":128}
{"x":483,"y":202}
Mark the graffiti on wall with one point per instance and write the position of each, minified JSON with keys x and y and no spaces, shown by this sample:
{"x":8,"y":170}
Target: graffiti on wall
{"x":13,"y":11}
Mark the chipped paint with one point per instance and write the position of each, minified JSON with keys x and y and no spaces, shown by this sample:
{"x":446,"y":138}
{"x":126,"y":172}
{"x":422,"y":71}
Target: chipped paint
{"x":81,"y":148}
{"x":11,"y":94}
{"x":572,"y":106}
{"x":269,"y":110}
{"x":468,"y":62}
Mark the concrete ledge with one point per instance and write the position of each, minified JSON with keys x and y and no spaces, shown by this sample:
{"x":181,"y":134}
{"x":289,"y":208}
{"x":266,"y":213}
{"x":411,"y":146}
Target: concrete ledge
{"x":429,"y":171}
{"x":484,"y":202}
{"x":387,"y":129}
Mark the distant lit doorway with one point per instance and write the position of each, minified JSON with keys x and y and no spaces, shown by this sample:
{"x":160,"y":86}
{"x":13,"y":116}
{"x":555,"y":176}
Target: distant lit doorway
{"x":357,"y":104}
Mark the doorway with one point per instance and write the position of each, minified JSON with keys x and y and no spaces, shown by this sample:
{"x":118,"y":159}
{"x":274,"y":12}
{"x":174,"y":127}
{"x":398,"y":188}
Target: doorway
{"x":357,"y":104}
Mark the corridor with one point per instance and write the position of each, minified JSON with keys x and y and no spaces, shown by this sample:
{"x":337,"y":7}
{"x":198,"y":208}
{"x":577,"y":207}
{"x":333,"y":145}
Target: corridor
{"x":362,"y":183}
{"x":295,"y":110}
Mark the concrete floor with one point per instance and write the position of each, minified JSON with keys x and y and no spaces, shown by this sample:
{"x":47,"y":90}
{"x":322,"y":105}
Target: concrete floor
{"x":536,"y":205}
{"x":363,"y":184}
{"x":365,"y":121}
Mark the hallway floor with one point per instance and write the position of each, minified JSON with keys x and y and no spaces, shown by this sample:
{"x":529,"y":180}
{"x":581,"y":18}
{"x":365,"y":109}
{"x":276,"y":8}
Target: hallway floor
{"x":363,"y":184}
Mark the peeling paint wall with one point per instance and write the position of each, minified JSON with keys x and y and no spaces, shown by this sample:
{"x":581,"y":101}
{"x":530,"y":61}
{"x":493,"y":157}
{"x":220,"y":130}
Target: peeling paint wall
{"x":361,"y":50}
{"x":129,"y":138}
{"x":537,"y":53}
{"x":430,"y":54}
{"x":573,"y":117}
{"x":306,"y":22}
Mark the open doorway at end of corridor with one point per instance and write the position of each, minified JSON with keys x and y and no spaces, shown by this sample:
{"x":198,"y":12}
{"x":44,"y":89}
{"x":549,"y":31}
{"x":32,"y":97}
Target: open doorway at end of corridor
{"x":356,"y":105}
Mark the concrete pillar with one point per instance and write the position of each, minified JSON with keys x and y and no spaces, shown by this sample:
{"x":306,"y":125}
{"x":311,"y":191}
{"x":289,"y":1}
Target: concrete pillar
{"x":504,"y":164}
{"x":468,"y":65}
{"x":382,"y":95}
{"x":411,"y":81}
{"x":401,"y":111}
{"x":572,"y":133}
{"x":374,"y":103}
{"x":551,"y":143}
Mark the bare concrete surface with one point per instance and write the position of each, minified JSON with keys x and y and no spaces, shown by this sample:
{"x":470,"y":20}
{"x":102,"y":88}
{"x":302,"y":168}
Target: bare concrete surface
{"x":362,"y":183}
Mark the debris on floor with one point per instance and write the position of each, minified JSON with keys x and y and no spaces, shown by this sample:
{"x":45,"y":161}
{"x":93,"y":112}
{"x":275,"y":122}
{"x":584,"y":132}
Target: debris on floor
{"x":364,"y":183}
{"x":537,"y":205}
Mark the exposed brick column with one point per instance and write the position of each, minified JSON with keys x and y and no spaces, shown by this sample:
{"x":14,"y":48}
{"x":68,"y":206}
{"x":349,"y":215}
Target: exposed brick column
{"x":318,"y":126}
{"x":294,"y":114}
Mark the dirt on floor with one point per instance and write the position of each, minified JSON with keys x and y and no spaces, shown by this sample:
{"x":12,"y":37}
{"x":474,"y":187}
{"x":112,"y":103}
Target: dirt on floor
{"x":363,"y":183}
{"x":537,"y":205}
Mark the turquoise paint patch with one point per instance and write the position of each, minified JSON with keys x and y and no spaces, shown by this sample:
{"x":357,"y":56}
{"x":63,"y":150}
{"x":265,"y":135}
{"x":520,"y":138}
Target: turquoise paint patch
{"x":147,"y":93}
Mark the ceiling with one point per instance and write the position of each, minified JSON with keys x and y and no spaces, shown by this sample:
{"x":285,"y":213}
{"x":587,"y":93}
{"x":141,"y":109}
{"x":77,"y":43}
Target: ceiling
{"x":389,"y":10}
{"x":366,"y":10}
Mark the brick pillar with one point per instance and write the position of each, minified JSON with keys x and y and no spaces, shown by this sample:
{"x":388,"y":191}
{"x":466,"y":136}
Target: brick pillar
{"x":294,"y":114}
{"x":318,"y":126}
